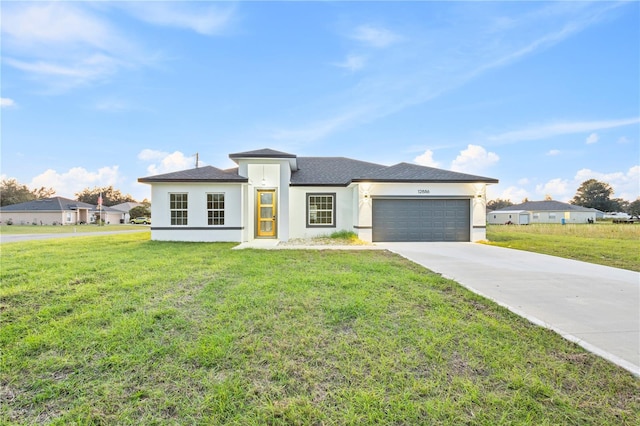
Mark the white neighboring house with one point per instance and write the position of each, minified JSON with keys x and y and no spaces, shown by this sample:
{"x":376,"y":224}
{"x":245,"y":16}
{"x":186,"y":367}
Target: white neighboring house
{"x":276,"y":195}
{"x":549,"y":211}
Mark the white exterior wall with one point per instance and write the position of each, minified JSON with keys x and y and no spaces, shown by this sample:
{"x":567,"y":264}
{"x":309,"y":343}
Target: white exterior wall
{"x":197,"y":228}
{"x":516,"y":217}
{"x":268,"y":174}
{"x":568,"y":216}
{"x":298,"y":210}
{"x":476,"y":192}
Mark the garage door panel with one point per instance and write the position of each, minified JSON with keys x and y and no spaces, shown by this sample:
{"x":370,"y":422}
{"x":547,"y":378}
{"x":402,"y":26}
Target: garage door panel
{"x":421,"y":220}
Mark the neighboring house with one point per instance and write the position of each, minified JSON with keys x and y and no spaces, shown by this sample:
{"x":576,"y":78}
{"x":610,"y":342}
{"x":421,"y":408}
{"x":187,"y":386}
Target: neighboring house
{"x":542,"y":212}
{"x":276,"y":195}
{"x":124,"y":208}
{"x":108,"y":214}
{"x":48,"y":211}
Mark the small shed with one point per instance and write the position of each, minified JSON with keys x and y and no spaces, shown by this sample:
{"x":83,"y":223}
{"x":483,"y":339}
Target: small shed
{"x":508,"y":217}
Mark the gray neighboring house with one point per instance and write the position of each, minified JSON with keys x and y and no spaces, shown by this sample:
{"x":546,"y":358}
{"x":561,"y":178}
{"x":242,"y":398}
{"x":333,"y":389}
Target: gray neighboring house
{"x":48,"y":211}
{"x":124,"y":208}
{"x":549,"y":211}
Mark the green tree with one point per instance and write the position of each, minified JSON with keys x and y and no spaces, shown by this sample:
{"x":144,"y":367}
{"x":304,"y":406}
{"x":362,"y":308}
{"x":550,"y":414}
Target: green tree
{"x":110,"y":196}
{"x":498,"y":203}
{"x":140,"y":211}
{"x":13,"y":192}
{"x":634,"y":208}
{"x":594,"y":194}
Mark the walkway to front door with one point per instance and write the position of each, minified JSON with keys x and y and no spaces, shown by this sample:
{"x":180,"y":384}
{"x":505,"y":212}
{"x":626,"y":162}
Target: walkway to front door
{"x":266,"y":217}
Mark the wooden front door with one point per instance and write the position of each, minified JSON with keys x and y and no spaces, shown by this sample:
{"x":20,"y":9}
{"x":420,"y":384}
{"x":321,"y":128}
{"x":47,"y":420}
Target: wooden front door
{"x":266,"y":203}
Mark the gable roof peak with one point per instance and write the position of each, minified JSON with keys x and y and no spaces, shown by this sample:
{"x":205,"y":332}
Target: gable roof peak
{"x":262,"y":153}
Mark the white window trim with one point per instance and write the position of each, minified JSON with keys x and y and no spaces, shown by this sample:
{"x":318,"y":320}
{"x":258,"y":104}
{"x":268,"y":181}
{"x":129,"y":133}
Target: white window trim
{"x":216,"y":210}
{"x":186,"y":210}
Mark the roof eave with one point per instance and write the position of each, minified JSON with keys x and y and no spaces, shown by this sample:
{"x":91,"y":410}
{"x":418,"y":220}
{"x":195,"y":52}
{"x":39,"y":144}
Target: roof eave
{"x":151,"y":180}
{"x":424,"y":180}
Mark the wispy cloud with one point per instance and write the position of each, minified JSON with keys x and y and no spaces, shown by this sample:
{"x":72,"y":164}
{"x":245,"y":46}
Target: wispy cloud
{"x":352,"y":63}
{"x":432,"y":61}
{"x":378,"y":37}
{"x":203,"y":18}
{"x":7,"y":102}
{"x":64,"y":45}
{"x":545,"y":131}
{"x":553,"y":152}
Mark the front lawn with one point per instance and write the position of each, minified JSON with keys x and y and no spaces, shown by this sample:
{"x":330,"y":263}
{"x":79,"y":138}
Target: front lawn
{"x":603,"y":243}
{"x":66,"y":229}
{"x":123,"y":330}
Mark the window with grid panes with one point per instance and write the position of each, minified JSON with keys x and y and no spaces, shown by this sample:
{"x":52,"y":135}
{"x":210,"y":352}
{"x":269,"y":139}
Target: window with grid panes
{"x":215,"y":209}
{"x":321,"y":210}
{"x":178,"y":205}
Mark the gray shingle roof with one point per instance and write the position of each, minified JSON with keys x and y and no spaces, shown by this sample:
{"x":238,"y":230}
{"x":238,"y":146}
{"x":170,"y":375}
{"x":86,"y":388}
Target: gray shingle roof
{"x":323,"y":171}
{"x":262,"y":153}
{"x":406,"y":172}
{"x":48,"y":204}
{"x":547,"y":205}
{"x":200,"y":174}
{"x":330,"y":171}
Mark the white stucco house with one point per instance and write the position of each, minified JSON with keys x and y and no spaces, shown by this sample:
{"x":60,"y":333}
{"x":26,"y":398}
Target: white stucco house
{"x":276,"y":195}
{"x":548,"y":211}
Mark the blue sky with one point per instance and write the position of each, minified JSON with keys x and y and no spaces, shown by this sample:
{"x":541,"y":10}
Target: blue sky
{"x":540,"y":95}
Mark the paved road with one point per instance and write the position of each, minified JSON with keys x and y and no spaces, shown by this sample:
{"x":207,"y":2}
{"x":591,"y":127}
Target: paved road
{"x":14,"y":238}
{"x":596,"y":306}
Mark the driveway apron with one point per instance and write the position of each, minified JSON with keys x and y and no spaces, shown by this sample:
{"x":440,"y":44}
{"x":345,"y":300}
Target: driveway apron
{"x":596,"y":306}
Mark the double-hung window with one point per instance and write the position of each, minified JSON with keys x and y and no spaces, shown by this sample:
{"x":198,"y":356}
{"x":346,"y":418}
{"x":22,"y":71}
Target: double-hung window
{"x":321,"y":210}
{"x":178,"y":205}
{"x":215,"y":209}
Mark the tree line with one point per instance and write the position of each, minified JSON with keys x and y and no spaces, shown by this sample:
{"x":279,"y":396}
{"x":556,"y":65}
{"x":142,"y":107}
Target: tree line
{"x":13,"y":192}
{"x":592,"y":194}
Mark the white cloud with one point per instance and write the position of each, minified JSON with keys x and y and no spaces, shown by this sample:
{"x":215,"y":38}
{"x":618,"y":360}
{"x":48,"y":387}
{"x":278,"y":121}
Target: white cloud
{"x":202,"y":18}
{"x":426,"y":159}
{"x":592,"y":138}
{"x":352,"y":63}
{"x":164,"y":162}
{"x":550,"y":130}
{"x":512,"y":193}
{"x":375,"y":37}
{"x":553,"y":152}
{"x":7,"y":102}
{"x":474,"y":159}
{"x":76,"y":179}
{"x":558,"y":189}
{"x":523,"y":181}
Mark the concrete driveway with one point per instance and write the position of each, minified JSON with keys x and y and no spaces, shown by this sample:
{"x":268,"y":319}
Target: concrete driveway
{"x":597,"y":307}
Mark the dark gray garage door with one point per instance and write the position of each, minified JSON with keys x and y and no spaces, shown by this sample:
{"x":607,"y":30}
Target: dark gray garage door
{"x":421,"y":220}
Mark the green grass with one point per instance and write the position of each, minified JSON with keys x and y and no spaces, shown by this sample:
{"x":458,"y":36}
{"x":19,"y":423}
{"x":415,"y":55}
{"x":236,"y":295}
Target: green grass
{"x":616,"y":245}
{"x":67,"y":229}
{"x":123,"y":330}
